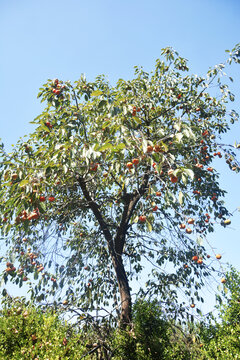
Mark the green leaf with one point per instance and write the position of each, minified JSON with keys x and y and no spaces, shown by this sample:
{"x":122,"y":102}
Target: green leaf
{"x":23,"y":183}
{"x":35,"y":276}
{"x":165,"y":147}
{"x":137,"y":119}
{"x":120,"y":146}
{"x":102,"y":103}
{"x":4,"y":292}
{"x":105,"y":147}
{"x":96,"y":93}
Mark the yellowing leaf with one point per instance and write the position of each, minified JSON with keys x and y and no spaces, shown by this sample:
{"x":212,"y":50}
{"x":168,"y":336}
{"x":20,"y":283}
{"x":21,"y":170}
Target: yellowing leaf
{"x":184,"y":179}
{"x":149,"y":226}
{"x":180,"y":197}
{"x":179,"y":137}
{"x":96,"y":93}
{"x":23,"y":183}
{"x":189,"y":173}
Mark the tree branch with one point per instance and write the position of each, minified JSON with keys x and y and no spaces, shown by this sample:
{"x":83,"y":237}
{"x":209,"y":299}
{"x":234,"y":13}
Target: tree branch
{"x":130,"y":204}
{"x":95,"y":209}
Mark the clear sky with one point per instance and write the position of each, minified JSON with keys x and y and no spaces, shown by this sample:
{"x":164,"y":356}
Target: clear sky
{"x":63,"y":39}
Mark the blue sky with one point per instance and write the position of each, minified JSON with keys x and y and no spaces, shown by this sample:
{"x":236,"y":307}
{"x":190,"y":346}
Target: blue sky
{"x":63,"y":39}
{"x":47,"y":39}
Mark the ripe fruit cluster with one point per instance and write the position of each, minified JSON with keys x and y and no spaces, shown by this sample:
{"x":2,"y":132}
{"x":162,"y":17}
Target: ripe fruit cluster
{"x":23,"y":216}
{"x":57,"y":87}
{"x":205,"y":133}
{"x":190,"y":221}
{"x":32,"y":264}
{"x":48,"y":124}
{"x":199,"y":260}
{"x":10,"y":268}
{"x":135,"y":110}
{"x":218,"y":154}
{"x":35,"y":214}
{"x":130,"y":164}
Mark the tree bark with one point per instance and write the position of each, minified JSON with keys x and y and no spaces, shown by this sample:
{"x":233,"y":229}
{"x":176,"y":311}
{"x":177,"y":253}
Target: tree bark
{"x":124,"y":291}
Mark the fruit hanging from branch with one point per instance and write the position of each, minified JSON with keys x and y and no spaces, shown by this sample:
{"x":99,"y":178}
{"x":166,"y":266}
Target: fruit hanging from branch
{"x":112,"y":176}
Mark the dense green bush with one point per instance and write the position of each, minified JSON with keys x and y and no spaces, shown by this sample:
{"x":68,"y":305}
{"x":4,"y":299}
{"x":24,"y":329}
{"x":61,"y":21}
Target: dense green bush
{"x":153,"y":337}
{"x":29,"y":333}
{"x":221,"y":338}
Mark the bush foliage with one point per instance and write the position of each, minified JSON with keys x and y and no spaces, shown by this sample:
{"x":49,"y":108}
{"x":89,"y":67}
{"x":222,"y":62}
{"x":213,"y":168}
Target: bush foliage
{"x":28,"y":332}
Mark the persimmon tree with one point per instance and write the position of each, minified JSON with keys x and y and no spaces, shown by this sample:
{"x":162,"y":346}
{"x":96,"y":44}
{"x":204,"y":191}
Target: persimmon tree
{"x":113,"y":177}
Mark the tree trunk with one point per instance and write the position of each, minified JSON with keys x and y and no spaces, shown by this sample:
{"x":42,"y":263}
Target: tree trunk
{"x":124,"y":291}
{"x":115,"y":247}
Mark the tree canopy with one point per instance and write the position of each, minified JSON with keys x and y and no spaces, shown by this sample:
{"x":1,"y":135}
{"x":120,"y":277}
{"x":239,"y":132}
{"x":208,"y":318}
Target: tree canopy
{"x":115,"y":176}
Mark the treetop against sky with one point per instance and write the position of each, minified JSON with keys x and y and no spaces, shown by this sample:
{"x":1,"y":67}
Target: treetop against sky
{"x":116,"y":174}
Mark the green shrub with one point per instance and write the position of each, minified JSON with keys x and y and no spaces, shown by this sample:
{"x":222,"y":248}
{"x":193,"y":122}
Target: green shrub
{"x":153,"y":337}
{"x":29,"y":333}
{"x":221,"y":338}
